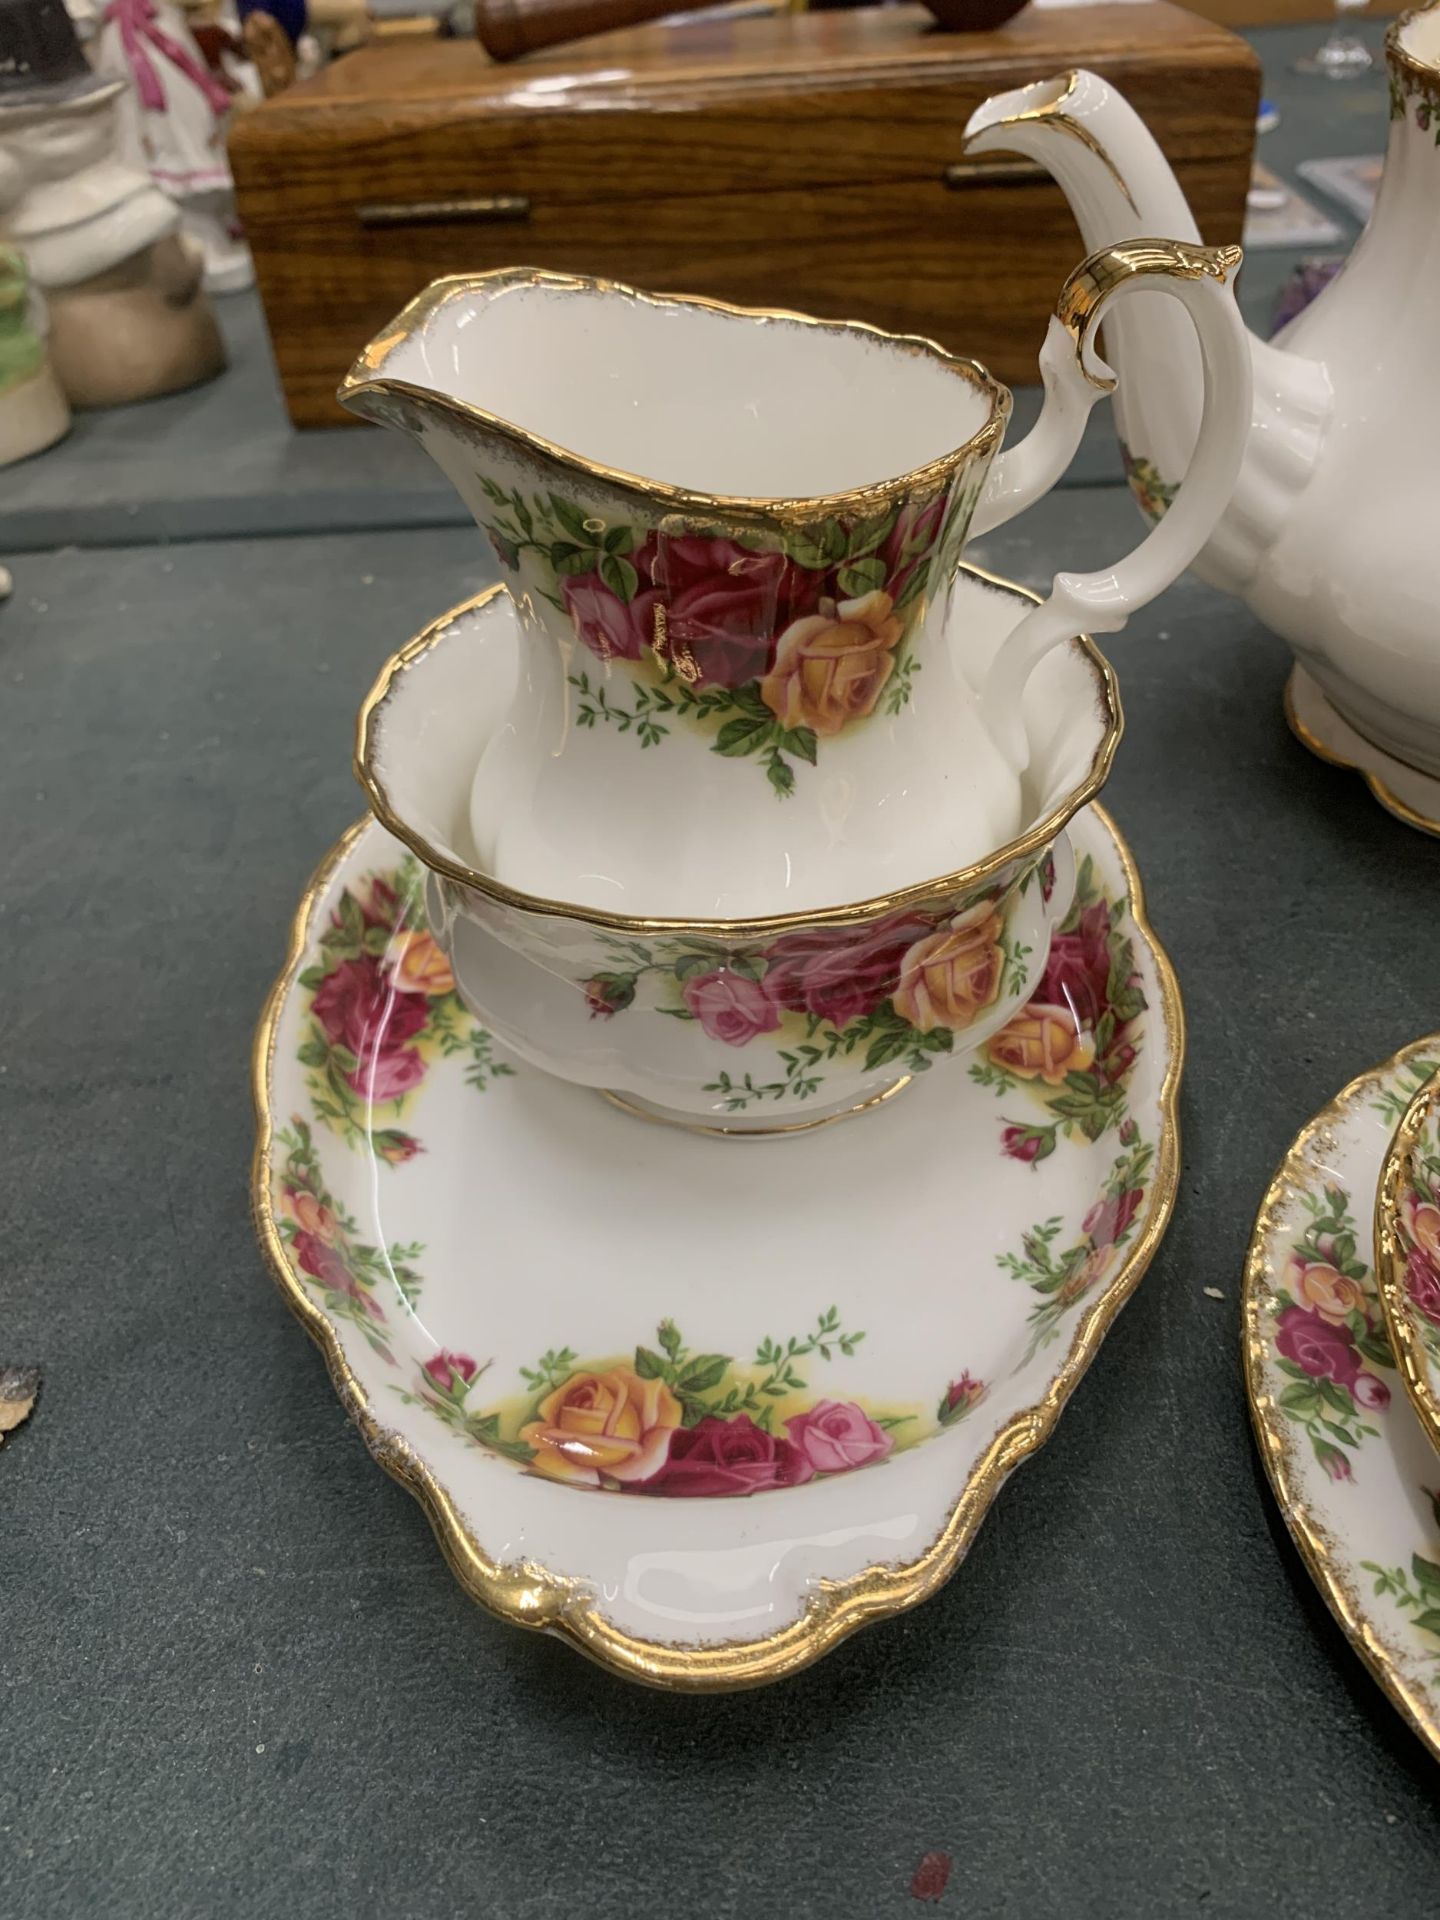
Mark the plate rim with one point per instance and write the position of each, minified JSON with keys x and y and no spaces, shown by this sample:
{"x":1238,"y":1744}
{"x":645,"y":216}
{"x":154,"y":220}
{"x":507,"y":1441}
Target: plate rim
{"x":1277,"y":1452}
{"x":1379,"y":789}
{"x":526,"y":1594}
{"x":1390,"y":1262}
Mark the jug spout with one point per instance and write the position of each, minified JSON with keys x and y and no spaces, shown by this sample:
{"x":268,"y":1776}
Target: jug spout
{"x":1121,"y":188}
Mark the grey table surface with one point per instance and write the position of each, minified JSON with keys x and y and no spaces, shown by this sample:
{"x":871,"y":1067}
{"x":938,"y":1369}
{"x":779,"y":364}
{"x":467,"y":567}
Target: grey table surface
{"x":236,"y":1678}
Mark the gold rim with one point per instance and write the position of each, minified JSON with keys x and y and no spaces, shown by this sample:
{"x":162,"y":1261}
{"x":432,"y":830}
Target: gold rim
{"x":1387,"y":796}
{"x":1277,"y":1445}
{"x":1056,"y":113}
{"x":1034,"y":841}
{"x":530,"y":1596}
{"x":367,"y":377}
{"x":1423,"y":75}
{"x":1397,"y":1178}
{"x":658,"y":1119}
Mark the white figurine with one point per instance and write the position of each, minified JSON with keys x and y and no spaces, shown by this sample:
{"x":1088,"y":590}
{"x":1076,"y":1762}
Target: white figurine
{"x":173,"y":120}
{"x":128,"y":318}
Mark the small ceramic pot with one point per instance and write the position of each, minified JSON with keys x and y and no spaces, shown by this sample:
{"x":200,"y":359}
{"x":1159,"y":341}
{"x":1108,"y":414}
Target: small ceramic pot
{"x":762,"y":1026}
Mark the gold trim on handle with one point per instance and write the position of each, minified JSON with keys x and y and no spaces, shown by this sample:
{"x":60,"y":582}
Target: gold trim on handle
{"x":1095,"y":279}
{"x":528,"y":1595}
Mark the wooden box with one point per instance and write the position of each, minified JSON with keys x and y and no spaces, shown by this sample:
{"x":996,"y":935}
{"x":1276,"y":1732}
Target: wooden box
{"x":804,"y":160}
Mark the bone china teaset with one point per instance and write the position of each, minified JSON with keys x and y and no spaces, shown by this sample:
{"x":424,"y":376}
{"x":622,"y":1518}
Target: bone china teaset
{"x":743,"y":803}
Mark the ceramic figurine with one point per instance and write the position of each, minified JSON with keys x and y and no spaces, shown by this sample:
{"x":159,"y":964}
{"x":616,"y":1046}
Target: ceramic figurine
{"x":1330,"y":536}
{"x":738,"y":696}
{"x":128,"y":318}
{"x":33,"y":410}
{"x":172,"y":119}
{"x":216,"y":30}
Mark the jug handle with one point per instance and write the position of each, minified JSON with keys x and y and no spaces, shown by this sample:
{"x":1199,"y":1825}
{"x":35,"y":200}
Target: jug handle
{"x":1075,"y":378}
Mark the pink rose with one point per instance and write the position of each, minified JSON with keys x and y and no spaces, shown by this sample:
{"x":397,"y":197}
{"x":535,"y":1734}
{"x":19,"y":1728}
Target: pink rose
{"x":1108,"y":1218}
{"x":1422,"y":1283}
{"x":838,"y":976}
{"x":725,"y":605}
{"x":1371,"y":1392}
{"x":836,"y":1435}
{"x":358,"y":1008}
{"x":602,"y":620}
{"x":1322,"y":1351}
{"x":727,"y":1457}
{"x":730,"y":1006}
{"x":451,"y":1372}
{"x":1077,"y":973}
{"x":1335,"y":1463}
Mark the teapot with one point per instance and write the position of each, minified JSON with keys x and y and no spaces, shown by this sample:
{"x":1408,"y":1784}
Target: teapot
{"x":1330,"y":535}
{"x":730,"y":538}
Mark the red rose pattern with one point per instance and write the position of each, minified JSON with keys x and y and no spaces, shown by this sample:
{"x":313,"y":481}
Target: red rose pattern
{"x":357,"y":1009}
{"x":1108,"y":1218}
{"x":725,"y":606}
{"x":1317,"y":1348}
{"x":841,"y":977}
{"x":727,"y":1457}
{"x":1422,"y":1283}
{"x":1077,"y":974}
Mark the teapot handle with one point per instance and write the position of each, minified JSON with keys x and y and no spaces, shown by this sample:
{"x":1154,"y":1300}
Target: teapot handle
{"x":1075,"y":378}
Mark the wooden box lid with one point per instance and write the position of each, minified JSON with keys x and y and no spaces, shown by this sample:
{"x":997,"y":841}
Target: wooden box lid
{"x":801,"y":160}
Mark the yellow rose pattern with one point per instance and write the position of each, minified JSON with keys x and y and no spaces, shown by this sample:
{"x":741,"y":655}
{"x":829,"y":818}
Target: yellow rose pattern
{"x":769,"y":649}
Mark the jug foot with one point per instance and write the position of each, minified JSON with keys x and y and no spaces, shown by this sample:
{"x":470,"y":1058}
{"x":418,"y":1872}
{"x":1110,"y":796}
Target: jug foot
{"x":739,"y":1129}
{"x":1410,"y":794}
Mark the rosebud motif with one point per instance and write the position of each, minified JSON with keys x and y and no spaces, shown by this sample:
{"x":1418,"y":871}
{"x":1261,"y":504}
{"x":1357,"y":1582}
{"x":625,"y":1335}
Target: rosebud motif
{"x":959,"y":1397}
{"x":609,"y":993}
{"x":451,"y":1374}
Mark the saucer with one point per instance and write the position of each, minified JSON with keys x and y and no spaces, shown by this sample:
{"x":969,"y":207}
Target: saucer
{"x":700,"y":1407}
{"x":1356,"y":1480}
{"x":1407,"y":1253}
{"x":1412,"y":796}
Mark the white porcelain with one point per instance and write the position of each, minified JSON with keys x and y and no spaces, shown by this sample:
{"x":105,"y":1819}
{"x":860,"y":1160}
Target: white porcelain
{"x":747,"y":1026}
{"x":1330,"y":535}
{"x":173,"y":118}
{"x":1357,"y":1482}
{"x":66,"y":198}
{"x":1410,"y":795}
{"x":524,"y":1294}
{"x":731,"y":538}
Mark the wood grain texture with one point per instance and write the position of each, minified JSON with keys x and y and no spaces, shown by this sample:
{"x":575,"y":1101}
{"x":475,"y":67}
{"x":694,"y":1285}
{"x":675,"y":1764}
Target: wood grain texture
{"x":796,"y":161}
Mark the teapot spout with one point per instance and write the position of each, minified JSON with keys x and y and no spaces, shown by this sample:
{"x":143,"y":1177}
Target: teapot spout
{"x":1097,"y":149}
{"x":1121,"y":188}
